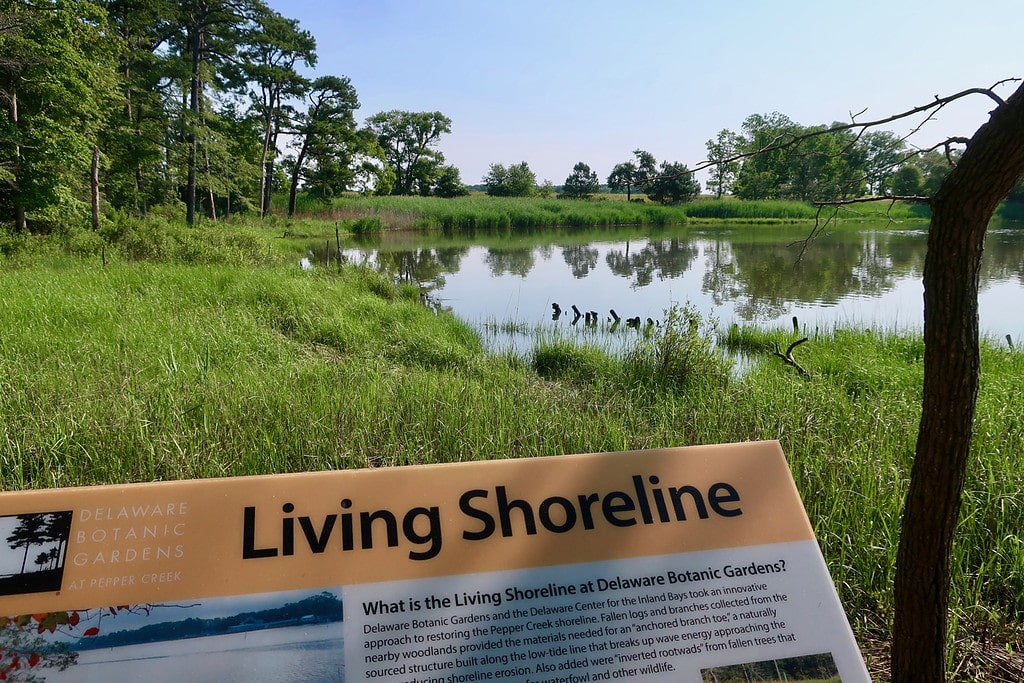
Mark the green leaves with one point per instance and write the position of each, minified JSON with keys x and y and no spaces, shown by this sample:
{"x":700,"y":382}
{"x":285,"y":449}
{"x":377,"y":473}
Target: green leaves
{"x":581,"y":183}
{"x":408,"y":140}
{"x":515,"y":181}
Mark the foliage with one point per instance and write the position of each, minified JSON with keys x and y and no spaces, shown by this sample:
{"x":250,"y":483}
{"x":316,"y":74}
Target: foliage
{"x":515,"y":181}
{"x":673,"y":184}
{"x":722,"y":153}
{"x":449,"y":183}
{"x":784,"y":160}
{"x":581,"y":183}
{"x":630,"y":174}
{"x":57,"y":83}
{"x":408,"y":140}
{"x":327,"y":145}
{"x":907,"y":181}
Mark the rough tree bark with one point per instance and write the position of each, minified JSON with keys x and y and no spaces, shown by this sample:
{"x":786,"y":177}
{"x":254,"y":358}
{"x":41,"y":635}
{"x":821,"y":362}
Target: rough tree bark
{"x":961,"y":211}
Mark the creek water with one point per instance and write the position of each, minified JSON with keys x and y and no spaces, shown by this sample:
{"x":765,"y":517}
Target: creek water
{"x":866,"y":275}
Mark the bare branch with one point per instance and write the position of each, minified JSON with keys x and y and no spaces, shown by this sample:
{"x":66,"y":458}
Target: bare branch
{"x":893,"y":198}
{"x":787,"y":140}
{"x":788,"y":356}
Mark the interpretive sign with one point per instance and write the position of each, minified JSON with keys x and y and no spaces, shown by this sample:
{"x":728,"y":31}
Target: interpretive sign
{"x":682,"y":564}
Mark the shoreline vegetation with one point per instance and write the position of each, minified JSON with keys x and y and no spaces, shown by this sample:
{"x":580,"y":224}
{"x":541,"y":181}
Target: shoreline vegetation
{"x":153,"y":351}
{"x":481,"y":211}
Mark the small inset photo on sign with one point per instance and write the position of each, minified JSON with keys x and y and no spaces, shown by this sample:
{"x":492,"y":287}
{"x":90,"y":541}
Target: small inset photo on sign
{"x":32,"y":550}
{"x":288,"y":637}
{"x":820,"y":668}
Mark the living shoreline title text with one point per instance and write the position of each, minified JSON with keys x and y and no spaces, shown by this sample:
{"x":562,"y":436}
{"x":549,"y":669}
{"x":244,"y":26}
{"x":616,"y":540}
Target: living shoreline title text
{"x":285,"y":532}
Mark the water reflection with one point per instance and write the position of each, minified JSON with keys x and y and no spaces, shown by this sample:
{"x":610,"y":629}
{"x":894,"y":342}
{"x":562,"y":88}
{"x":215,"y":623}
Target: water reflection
{"x":862,"y":275}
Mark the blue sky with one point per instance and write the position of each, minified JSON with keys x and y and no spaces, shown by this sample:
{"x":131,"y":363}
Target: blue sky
{"x":556,"y":82}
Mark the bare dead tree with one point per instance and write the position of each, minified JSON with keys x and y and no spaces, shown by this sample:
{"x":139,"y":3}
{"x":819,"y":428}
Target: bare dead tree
{"x":991,"y":163}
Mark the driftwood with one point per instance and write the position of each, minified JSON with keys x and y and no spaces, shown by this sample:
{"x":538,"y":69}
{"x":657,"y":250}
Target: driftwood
{"x":788,"y":356}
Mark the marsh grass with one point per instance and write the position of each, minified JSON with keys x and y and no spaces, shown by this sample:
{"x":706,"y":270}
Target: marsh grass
{"x":483,"y":212}
{"x":479,"y":212}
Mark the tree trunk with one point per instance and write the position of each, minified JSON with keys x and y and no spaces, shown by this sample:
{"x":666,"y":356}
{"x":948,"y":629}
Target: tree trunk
{"x":300,"y":159}
{"x":197,"y":44}
{"x":20,"y":222}
{"x":961,"y":211}
{"x":95,"y":187}
{"x":209,"y":184}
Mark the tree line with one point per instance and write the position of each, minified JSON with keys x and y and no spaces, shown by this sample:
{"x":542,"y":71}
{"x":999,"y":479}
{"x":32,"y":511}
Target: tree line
{"x":198,"y":103}
{"x":773,"y":157}
{"x":670,"y":183}
{"x":205,"y":105}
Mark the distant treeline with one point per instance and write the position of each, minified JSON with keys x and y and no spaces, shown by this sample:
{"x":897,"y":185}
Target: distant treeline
{"x":203,"y":106}
{"x":318,"y":609}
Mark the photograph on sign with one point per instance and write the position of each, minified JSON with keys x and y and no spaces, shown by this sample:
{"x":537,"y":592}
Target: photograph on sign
{"x":32,"y":554}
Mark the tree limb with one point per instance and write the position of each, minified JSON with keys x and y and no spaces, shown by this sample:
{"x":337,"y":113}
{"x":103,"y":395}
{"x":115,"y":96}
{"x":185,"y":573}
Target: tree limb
{"x":788,"y":356}
{"x":786,"y":141}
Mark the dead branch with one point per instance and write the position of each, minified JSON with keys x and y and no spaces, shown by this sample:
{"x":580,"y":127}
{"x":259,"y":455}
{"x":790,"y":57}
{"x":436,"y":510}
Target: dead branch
{"x":788,"y":356}
{"x":786,"y":141}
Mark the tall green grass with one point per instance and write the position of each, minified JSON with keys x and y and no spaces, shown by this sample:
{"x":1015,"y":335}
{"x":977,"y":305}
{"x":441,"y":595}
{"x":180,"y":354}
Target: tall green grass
{"x":481,"y":211}
{"x":735,"y":210}
{"x":767,"y":211}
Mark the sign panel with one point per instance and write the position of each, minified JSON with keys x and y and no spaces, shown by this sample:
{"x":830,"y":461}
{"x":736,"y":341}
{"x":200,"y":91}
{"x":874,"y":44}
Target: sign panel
{"x":684,"y":564}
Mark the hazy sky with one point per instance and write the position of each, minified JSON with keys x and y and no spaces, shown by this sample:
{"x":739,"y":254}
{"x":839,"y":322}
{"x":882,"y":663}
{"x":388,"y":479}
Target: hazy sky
{"x":553,"y":82}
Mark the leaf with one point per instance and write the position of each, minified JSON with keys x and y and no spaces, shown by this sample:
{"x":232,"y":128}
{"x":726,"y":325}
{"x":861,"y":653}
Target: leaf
{"x":33,"y":659}
{"x":89,"y":632}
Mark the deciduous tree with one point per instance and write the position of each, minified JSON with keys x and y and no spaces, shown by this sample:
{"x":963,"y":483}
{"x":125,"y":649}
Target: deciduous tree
{"x":449,"y":183}
{"x":58,"y":85}
{"x":722,"y":160}
{"x":408,"y":140}
{"x":515,"y":181}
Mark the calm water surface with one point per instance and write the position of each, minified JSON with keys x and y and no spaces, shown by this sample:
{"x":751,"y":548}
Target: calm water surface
{"x":859,"y":275}
{"x":299,"y":654}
